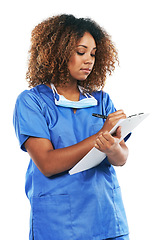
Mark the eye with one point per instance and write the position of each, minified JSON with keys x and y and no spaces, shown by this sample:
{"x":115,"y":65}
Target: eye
{"x":93,"y":53}
{"x":80,"y":53}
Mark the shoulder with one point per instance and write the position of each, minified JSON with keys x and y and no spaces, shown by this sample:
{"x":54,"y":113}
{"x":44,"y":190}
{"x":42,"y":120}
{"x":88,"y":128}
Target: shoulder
{"x":29,"y":98}
{"x":30,"y":93}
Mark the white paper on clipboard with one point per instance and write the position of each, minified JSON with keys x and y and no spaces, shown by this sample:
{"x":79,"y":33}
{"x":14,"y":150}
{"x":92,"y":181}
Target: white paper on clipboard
{"x":94,"y":157}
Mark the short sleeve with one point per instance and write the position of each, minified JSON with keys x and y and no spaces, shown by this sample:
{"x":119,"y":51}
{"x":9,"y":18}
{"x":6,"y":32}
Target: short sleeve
{"x":107,"y":104}
{"x":29,"y":119}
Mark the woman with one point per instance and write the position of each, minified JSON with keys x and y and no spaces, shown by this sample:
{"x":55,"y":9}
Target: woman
{"x":69,"y":61}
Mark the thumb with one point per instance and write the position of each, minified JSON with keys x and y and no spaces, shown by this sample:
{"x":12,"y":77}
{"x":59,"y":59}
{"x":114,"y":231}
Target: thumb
{"x":118,"y":132}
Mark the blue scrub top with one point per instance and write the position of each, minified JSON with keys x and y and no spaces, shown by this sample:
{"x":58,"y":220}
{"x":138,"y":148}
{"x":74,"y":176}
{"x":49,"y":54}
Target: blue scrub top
{"x":83,"y":206}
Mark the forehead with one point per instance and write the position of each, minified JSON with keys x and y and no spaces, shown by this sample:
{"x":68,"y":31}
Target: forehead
{"x":87,"y":40}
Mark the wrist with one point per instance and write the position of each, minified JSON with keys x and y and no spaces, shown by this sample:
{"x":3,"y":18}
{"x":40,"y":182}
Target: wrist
{"x":118,"y":157}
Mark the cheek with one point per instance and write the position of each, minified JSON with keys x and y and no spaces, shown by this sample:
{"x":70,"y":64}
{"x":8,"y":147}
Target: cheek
{"x":75,"y":60}
{"x":74,"y":64}
{"x":71,"y":64}
{"x":71,"y":67}
{"x":71,"y":61}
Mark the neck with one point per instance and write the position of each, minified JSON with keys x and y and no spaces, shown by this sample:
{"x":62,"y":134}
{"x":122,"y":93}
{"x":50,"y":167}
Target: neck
{"x":70,"y":88}
{"x":70,"y":91}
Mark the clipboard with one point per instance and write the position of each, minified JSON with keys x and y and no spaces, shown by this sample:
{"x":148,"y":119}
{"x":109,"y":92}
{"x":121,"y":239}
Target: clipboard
{"x":94,"y":157}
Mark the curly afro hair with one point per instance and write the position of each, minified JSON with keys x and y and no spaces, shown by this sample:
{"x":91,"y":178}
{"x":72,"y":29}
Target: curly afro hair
{"x":54,"y":41}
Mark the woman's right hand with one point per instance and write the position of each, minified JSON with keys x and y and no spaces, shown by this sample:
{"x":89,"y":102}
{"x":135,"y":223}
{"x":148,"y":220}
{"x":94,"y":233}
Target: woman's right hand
{"x":112,"y":119}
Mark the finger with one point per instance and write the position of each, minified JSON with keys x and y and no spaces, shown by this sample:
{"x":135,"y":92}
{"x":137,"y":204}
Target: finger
{"x":113,"y":121}
{"x":100,"y":140}
{"x":117,"y":112}
{"x":108,"y":137}
{"x":99,"y":134}
{"x":102,"y":146}
{"x":118,"y":132}
{"x":96,"y":146}
{"x":117,"y":115}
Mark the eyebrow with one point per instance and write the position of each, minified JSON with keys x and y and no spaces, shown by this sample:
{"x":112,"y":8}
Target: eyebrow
{"x":85,"y":46}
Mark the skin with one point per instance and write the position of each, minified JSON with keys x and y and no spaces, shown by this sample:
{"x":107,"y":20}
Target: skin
{"x":52,"y":161}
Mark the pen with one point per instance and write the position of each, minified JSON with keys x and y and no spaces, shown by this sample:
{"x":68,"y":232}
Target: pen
{"x":99,"y":115}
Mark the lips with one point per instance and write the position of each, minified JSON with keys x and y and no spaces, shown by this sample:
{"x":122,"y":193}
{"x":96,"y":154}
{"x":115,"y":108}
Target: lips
{"x":86,"y":70}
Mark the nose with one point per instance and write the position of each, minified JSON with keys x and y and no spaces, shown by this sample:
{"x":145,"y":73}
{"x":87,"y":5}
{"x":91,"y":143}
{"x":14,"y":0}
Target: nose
{"x":89,"y":59}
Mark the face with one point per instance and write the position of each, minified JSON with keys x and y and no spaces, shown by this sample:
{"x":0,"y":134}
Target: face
{"x":81,"y":63}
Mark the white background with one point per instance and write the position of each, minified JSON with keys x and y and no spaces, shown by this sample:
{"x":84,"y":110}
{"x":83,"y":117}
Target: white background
{"x":134,"y":87}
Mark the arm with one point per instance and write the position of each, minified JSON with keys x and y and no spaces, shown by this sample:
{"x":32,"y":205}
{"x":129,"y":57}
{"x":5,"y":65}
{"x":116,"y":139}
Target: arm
{"x":52,"y":161}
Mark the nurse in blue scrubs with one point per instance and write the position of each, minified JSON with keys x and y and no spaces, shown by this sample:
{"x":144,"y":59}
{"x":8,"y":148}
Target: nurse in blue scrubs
{"x":69,"y":61}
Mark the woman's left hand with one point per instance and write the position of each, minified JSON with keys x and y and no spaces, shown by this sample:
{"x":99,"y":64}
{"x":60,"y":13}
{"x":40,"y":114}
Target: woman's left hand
{"x":106,"y":143}
{"x":116,"y":152}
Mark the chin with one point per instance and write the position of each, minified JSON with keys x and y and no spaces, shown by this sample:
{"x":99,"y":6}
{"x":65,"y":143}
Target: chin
{"x":82,"y":78}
